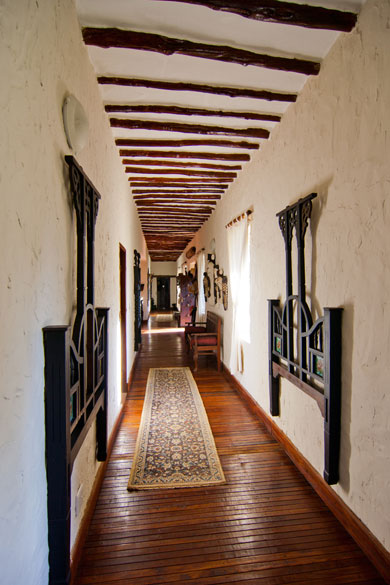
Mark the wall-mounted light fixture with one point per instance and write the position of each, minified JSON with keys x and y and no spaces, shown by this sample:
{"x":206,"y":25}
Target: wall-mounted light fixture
{"x":75,"y":123}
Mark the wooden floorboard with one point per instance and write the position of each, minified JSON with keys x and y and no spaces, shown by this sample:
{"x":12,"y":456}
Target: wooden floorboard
{"x":265,"y":526}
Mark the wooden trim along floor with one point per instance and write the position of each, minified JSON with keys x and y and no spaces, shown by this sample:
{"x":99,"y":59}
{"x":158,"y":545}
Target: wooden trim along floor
{"x":265,"y":526}
{"x":375,"y":551}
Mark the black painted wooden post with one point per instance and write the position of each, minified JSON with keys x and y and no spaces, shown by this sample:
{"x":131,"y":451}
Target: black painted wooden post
{"x":332,"y":390}
{"x":57,"y":415}
{"x":101,"y":418}
{"x":302,"y":215}
{"x":286,"y":227}
{"x":274,"y":381}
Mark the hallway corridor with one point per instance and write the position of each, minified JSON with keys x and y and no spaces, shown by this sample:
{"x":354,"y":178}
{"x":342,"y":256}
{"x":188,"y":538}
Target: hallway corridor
{"x":265,"y":526}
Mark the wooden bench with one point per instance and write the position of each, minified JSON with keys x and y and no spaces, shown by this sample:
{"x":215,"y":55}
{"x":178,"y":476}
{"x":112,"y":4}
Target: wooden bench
{"x":205,"y":338}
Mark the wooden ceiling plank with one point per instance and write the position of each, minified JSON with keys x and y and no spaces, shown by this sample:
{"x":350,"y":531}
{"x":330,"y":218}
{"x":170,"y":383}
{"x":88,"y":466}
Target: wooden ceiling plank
{"x":168,"y":211}
{"x":197,"y":205}
{"x":188,"y":198}
{"x":180,"y":165}
{"x":188,"y":233}
{"x":176,"y":243}
{"x":174,"y":200}
{"x":157,"y":247}
{"x":280,"y":12}
{"x":168,"y":181}
{"x":182,"y":111}
{"x":186,"y":154}
{"x":195,"y":217}
{"x":141,"y":41}
{"x":187,"y":128}
{"x":172,"y":192}
{"x":260,"y":94}
{"x":188,"y":173}
{"x":173,"y":243}
{"x":161,"y":221}
{"x":169,"y":208}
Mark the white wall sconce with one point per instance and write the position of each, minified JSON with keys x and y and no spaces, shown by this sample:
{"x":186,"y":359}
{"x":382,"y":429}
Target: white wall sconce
{"x":75,"y":123}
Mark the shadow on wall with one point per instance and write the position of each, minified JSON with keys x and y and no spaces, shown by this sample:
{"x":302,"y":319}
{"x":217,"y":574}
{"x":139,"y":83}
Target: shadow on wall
{"x":317,"y":211}
{"x":319,"y":206}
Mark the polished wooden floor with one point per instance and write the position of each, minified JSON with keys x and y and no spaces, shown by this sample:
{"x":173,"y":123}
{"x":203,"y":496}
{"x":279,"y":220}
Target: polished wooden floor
{"x":266,"y":525}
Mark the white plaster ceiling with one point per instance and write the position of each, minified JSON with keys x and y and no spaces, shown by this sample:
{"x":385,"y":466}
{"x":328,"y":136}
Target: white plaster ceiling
{"x":201,"y":25}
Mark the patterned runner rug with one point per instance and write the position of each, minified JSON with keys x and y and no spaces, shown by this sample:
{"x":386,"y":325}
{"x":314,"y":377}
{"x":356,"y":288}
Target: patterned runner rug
{"x":175,"y":446}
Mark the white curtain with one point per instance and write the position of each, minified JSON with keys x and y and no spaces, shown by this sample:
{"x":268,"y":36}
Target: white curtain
{"x":201,"y":309}
{"x":239,"y":281}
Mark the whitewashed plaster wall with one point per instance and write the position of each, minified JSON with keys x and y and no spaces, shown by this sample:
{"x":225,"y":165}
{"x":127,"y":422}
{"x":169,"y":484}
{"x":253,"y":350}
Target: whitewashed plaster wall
{"x":334,"y":141}
{"x":163,"y":268}
{"x":43,"y":59}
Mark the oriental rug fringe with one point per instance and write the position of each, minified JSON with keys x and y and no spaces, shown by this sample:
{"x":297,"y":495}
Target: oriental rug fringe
{"x":175,"y":446}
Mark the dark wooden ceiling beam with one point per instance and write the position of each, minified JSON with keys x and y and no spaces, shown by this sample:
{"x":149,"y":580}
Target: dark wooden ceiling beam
{"x":187,"y":173}
{"x":186,"y":154}
{"x":168,"y":239}
{"x":173,"y":211}
{"x":175,"y":224}
{"x":182,"y":111}
{"x":177,"y":240}
{"x":161,"y":220}
{"x":179,"y":165}
{"x":163,"y":249}
{"x":175,"y":220}
{"x":259,"y":94}
{"x":159,"y":257}
{"x":156,"y":247}
{"x":177,"y":204}
{"x":174,"y":193}
{"x":188,"y":228}
{"x":129,"y":39}
{"x":284,"y":13}
{"x":189,"y":233}
{"x":170,"y":182}
{"x":194,"y":210}
{"x":164,"y":246}
{"x":173,"y":197}
{"x":187,"y":128}
{"x":172,"y":201}
{"x":178,"y":219}
{"x":159,"y":230}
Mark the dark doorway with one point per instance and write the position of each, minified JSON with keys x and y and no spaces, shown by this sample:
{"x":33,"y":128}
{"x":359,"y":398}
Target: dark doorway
{"x":163,"y":292}
{"x":122,"y":311}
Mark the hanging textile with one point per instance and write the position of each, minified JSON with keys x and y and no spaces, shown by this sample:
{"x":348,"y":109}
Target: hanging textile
{"x":239,"y":262}
{"x":201,"y":309}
